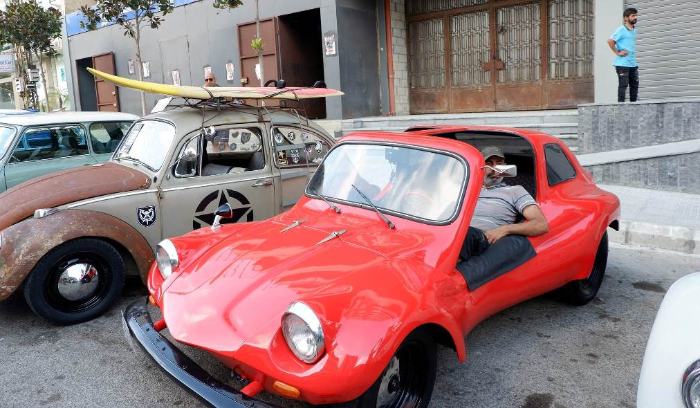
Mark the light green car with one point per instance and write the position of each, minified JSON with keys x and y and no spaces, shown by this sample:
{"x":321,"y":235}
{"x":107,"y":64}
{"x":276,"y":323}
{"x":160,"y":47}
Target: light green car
{"x":38,"y":144}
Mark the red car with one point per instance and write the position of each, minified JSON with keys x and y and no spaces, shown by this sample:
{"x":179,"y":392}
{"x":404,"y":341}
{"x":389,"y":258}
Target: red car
{"x":343,"y":298}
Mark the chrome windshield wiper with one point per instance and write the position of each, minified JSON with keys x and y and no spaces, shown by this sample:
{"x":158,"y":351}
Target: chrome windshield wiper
{"x":383,"y":217}
{"x":330,"y":204}
{"x":135,"y":160}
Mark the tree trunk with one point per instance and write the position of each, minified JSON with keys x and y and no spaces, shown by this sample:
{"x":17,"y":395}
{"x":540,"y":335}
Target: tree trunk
{"x":260,"y":50}
{"x":137,"y":38}
{"x":43,"y":83}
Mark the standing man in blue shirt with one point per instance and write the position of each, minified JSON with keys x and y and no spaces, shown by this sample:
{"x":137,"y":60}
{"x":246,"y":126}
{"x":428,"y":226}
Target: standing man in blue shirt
{"x":622,"y":44}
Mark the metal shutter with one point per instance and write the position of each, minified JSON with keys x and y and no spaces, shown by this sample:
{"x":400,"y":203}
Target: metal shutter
{"x":668,"y":48}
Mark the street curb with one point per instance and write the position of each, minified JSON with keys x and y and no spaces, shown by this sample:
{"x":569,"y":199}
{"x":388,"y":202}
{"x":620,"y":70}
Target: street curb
{"x":679,"y":239}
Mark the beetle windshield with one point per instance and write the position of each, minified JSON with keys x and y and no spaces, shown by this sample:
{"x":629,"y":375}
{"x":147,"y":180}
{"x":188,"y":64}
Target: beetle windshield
{"x":6,"y":135}
{"x":398,"y":179}
{"x":147,"y":143}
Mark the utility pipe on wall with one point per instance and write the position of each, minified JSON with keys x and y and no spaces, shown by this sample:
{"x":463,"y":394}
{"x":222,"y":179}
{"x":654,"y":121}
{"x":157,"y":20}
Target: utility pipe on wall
{"x":389,"y":57}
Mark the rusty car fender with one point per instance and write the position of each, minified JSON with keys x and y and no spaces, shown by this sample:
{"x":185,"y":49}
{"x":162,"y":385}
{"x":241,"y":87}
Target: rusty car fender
{"x":25,"y":243}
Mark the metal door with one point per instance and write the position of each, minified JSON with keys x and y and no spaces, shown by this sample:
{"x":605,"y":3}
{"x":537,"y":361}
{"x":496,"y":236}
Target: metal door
{"x":498,"y":55}
{"x":517,"y":63}
{"x":107,"y":97}
{"x":249,"y":57}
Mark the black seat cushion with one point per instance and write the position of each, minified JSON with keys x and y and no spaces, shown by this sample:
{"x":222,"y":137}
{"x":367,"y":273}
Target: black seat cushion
{"x":256,"y":162}
{"x":526,"y":180}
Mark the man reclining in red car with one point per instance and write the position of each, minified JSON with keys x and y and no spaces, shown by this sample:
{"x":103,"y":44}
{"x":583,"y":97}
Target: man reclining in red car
{"x":485,"y":254}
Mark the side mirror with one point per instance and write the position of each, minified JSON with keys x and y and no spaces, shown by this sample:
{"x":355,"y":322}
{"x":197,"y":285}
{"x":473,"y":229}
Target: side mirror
{"x":209,"y":133}
{"x":189,"y":157}
{"x":224,"y":211}
{"x":506,"y":170}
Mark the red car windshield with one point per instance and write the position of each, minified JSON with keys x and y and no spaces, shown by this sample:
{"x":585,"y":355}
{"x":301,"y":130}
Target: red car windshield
{"x":405,"y":180}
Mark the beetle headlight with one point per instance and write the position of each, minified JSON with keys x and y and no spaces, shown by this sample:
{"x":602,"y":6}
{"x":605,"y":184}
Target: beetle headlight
{"x":303,"y":332}
{"x":691,"y":386}
{"x":166,"y":258}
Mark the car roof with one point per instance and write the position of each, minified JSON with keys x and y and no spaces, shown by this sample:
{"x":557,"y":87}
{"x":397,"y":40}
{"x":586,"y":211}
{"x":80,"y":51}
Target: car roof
{"x":4,"y":112}
{"x":65,"y":117}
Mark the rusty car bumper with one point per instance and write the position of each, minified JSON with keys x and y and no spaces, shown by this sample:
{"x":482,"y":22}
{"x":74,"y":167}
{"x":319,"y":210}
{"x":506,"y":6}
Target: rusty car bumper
{"x":177,"y":365}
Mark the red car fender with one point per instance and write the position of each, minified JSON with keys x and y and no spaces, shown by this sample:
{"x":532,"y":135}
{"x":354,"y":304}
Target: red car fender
{"x":26,"y":242}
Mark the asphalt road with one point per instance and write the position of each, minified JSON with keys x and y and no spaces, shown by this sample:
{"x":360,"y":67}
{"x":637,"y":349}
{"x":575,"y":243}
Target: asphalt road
{"x":537,"y":354}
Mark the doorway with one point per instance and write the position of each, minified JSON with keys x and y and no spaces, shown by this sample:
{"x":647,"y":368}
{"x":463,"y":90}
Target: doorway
{"x":293,"y":51}
{"x":86,"y":85}
{"x":301,"y":54}
{"x":501,"y":55}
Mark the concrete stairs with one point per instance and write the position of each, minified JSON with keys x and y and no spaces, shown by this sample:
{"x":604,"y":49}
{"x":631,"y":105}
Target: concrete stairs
{"x":560,"y":123}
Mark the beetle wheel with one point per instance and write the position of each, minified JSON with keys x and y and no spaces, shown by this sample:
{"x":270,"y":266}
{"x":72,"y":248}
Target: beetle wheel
{"x":75,"y":282}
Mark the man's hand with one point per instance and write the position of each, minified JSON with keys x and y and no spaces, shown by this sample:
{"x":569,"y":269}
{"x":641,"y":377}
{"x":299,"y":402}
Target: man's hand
{"x":622,"y":53}
{"x":496,"y":233}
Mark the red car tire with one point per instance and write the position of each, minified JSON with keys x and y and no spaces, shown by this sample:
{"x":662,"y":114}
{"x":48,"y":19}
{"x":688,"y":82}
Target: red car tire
{"x":408,"y":383}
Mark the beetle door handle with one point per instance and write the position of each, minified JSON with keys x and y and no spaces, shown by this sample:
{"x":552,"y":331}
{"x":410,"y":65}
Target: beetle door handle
{"x":263,"y":183}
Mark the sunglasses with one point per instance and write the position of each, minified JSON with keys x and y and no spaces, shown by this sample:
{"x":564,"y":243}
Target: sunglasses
{"x":208,"y":79}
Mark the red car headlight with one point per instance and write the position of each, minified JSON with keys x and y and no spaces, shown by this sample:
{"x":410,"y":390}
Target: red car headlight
{"x":303,"y":333}
{"x":166,"y":258}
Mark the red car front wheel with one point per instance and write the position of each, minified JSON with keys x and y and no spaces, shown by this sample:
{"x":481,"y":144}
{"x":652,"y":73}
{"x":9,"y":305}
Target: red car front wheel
{"x":408,"y":379}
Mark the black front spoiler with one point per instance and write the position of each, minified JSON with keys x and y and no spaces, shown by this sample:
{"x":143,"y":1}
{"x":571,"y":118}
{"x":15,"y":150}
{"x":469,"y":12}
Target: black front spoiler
{"x":181,"y":368}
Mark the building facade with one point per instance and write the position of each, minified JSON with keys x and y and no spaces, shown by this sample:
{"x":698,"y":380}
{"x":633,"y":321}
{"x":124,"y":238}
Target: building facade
{"x":394,"y":57}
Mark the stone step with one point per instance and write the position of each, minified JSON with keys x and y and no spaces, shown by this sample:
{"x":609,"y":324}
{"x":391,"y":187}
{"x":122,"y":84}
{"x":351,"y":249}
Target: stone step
{"x":557,"y":129}
{"x":492,"y":118}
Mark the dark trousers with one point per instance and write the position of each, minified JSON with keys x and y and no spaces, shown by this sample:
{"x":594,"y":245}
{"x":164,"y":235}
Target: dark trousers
{"x":474,"y":244}
{"x":627,"y":76}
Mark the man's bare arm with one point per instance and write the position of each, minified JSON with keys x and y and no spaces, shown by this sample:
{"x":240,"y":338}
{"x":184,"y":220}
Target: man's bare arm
{"x":536,"y":225}
{"x":613,"y":47}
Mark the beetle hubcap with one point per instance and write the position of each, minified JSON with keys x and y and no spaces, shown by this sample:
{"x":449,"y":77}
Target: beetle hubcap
{"x":78,"y":282}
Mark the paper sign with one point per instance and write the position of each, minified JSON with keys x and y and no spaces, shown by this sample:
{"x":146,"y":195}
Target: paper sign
{"x":330,"y":43}
{"x":176,"y":77}
{"x":229,"y":71}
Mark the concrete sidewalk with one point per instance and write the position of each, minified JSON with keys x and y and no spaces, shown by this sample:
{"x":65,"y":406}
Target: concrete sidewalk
{"x":658,"y":219}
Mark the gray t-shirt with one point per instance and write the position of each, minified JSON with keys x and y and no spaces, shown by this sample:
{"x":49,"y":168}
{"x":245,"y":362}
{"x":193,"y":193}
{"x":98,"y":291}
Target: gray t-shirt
{"x":500,"y":205}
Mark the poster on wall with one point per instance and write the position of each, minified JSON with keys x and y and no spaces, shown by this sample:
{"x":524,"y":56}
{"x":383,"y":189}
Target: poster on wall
{"x":176,"y":77}
{"x":132,"y":68}
{"x":7,"y":63}
{"x":146,"y":69}
{"x":229,"y":71}
{"x":330,"y":43}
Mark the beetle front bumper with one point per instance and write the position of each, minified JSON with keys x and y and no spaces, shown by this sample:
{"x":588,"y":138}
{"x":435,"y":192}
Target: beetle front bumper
{"x":177,"y":365}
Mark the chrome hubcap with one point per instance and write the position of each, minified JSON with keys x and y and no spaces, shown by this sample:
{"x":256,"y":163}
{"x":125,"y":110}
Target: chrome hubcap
{"x":390,"y":383}
{"x":78,"y":282}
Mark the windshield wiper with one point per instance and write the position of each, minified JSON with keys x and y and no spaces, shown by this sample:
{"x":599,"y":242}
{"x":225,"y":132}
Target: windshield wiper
{"x":330,"y":204}
{"x":135,"y":160}
{"x":383,"y":217}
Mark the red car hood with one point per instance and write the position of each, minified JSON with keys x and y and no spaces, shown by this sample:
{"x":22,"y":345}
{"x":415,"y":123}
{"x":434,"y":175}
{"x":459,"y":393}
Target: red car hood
{"x":225,"y":297}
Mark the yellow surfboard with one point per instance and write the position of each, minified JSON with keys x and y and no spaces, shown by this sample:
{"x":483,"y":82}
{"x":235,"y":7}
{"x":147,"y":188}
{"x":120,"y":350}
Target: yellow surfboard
{"x":198,"y":92}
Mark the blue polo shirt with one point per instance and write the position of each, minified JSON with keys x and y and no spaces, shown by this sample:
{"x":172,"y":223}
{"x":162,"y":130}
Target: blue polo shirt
{"x":624,"y":40}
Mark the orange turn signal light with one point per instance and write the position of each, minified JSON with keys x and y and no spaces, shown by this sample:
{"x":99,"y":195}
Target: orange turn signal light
{"x":152,"y":301}
{"x":286,"y":390}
